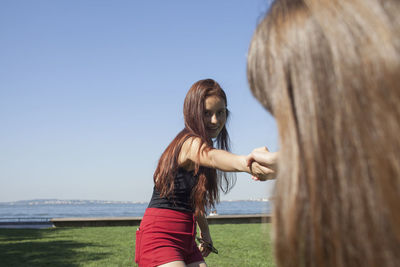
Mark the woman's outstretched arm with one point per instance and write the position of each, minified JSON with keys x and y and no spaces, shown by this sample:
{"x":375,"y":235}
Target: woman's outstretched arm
{"x":218,"y":159}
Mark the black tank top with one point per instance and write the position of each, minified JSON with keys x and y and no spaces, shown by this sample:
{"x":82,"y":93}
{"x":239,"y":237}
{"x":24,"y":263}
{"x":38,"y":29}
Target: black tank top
{"x":180,"y":200}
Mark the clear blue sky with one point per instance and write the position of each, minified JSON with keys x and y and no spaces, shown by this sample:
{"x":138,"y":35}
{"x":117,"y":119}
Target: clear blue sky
{"x":91,"y":92}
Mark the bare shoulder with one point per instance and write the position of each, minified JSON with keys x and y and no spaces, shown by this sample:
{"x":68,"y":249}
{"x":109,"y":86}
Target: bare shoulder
{"x":189,"y":151}
{"x":191,"y":145}
{"x":192,"y":142}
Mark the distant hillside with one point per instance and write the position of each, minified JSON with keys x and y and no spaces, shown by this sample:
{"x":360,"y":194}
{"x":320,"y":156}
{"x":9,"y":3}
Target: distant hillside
{"x":64,"y":202}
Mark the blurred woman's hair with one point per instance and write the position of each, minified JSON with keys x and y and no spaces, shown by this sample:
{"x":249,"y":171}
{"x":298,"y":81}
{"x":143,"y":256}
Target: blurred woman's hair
{"x":329,"y":71}
{"x":206,"y":192}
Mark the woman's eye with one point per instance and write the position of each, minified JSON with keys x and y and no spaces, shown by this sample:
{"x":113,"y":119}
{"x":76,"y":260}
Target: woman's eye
{"x":207,"y":113}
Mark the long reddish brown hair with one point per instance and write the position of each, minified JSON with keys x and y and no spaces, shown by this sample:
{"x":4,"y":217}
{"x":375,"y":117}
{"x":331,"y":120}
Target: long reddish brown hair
{"x":205,"y":194}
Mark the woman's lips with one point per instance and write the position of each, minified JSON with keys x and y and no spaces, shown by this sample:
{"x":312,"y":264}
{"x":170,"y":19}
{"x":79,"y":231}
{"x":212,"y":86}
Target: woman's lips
{"x":212,"y":128}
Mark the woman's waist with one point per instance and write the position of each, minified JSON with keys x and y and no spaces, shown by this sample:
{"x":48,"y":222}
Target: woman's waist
{"x":169,"y":213}
{"x":176,"y":202}
{"x":167,"y":220}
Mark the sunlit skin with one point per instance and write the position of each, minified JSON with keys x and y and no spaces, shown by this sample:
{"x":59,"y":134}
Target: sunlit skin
{"x":182,"y":264}
{"x":265,"y":158}
{"x":214,"y":115}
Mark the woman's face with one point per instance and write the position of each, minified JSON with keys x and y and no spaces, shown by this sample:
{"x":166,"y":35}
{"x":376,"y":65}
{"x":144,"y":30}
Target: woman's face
{"x":214,"y":115}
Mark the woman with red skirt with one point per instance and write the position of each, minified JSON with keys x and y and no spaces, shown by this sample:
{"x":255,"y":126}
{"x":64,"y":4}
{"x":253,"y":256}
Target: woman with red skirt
{"x":187,"y":182}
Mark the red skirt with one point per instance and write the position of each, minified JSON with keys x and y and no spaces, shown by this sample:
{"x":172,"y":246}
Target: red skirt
{"x":164,"y":236}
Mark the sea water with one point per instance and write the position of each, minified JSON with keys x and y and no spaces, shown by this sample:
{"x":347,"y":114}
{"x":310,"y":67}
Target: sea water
{"x":43,"y":210}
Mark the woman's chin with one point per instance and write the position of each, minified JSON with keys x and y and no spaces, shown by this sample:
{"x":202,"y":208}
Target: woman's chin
{"x":213,"y":135}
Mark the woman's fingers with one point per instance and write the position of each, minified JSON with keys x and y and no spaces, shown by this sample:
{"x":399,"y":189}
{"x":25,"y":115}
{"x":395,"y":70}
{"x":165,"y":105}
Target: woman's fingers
{"x":249,"y":159}
{"x":261,"y":149}
{"x":262,"y":173}
{"x":205,"y":251}
{"x":263,"y":157}
{"x":258,"y":168}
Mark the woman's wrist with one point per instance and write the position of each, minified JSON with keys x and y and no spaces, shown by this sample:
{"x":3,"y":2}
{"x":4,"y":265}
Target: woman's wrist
{"x":206,"y":237}
{"x":244,"y":167}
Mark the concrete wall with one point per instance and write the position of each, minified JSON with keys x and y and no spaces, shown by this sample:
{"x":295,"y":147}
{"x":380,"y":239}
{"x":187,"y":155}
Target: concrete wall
{"x":135,"y":221}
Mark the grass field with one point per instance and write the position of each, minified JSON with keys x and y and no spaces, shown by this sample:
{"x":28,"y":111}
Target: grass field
{"x":238,"y":245}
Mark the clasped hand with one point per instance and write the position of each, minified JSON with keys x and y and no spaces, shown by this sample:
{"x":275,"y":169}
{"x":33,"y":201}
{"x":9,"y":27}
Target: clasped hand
{"x":262,"y":164}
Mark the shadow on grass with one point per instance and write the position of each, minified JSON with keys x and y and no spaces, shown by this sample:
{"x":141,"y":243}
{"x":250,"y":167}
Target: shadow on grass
{"x":9,"y":235}
{"x":25,"y":247}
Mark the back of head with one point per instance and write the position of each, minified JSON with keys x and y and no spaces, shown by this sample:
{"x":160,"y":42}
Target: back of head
{"x":328,"y":70}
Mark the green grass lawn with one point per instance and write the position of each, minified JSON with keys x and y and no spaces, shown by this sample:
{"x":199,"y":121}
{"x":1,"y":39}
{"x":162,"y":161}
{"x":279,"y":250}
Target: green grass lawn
{"x":238,"y":245}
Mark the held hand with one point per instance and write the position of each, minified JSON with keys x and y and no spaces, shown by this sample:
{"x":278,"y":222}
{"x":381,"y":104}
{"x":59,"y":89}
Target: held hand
{"x":261,"y":173}
{"x":205,"y":243}
{"x":263,"y":157}
{"x":262,"y":164}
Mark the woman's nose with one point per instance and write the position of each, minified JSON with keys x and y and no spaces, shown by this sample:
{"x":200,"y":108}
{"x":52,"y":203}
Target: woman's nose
{"x":214,"y":119}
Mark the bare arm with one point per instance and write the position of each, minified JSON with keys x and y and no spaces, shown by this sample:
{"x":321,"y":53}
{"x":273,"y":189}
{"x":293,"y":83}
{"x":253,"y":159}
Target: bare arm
{"x":214,"y":158}
{"x":205,"y":234}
